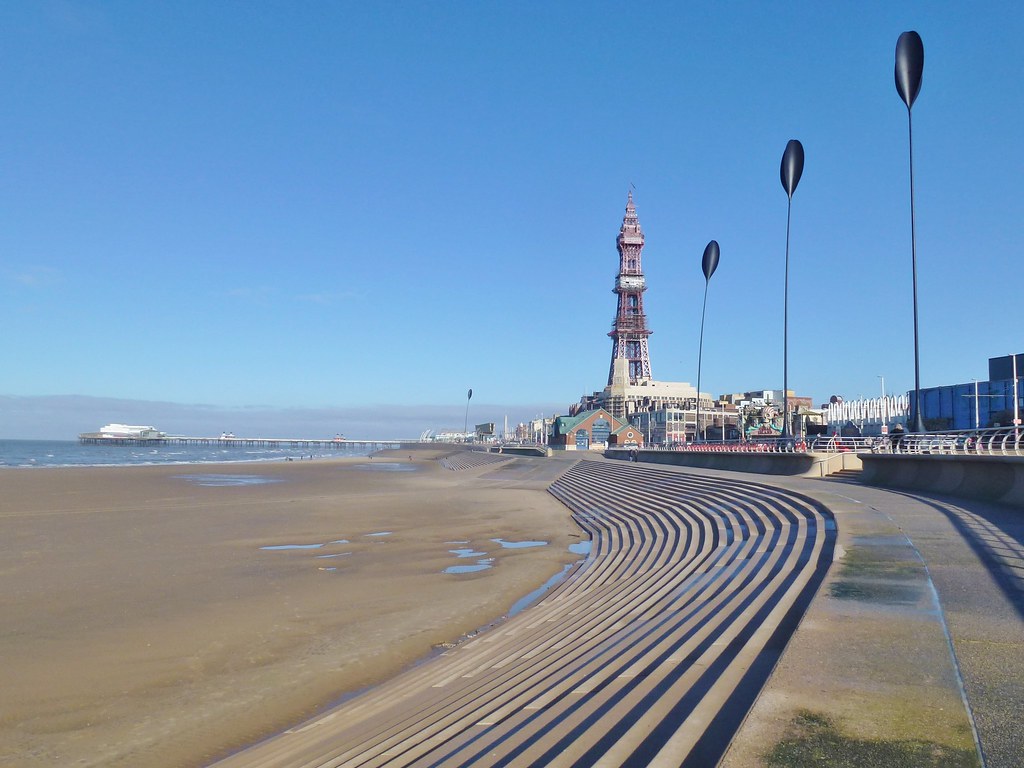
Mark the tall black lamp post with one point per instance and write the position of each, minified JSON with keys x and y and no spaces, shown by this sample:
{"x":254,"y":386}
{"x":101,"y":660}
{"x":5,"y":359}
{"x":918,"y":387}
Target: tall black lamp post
{"x":909,"y":68}
{"x":709,"y":264}
{"x":790,"y":172}
{"x":465,"y":425}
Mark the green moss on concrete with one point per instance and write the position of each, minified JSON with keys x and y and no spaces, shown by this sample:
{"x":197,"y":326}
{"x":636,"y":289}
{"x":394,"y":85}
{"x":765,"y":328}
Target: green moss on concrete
{"x":881,"y":561}
{"x":814,"y":740}
{"x":885,"y":574}
{"x":877,"y":590}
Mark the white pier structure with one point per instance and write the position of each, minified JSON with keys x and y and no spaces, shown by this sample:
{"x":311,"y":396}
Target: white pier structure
{"x":101,"y":438}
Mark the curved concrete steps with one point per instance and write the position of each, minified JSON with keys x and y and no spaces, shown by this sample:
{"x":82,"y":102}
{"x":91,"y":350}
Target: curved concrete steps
{"x":650,"y":653}
{"x":472,"y":460}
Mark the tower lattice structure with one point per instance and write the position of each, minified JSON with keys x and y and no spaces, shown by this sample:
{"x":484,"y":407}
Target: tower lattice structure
{"x":629,"y":330}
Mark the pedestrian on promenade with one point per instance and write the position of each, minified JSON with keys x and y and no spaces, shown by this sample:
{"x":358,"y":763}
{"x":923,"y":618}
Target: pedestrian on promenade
{"x":896,"y":437}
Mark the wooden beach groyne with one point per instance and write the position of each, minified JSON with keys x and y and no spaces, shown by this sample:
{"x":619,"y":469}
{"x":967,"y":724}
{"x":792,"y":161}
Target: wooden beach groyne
{"x":650,"y":653}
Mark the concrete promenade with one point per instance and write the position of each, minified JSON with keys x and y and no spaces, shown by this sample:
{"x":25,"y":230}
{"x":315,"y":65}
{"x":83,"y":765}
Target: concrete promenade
{"x":722,"y":618}
{"x":914,"y":644}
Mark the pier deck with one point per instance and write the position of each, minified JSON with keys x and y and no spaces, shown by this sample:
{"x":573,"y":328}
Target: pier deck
{"x":97,"y":438}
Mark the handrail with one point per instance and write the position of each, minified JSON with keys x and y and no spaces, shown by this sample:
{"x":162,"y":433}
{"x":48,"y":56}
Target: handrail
{"x":994,"y":441}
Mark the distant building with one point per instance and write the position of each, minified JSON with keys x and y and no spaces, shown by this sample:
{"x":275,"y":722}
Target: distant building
{"x":130,"y":431}
{"x":665,"y":412}
{"x":869,"y":416}
{"x":533,"y":431}
{"x":629,"y":329}
{"x":760,"y":412}
{"x":631,"y":388}
{"x":592,"y":429}
{"x":624,"y":400}
{"x":978,"y":404}
{"x":666,"y":426}
{"x":451,"y":436}
{"x":973,"y":405}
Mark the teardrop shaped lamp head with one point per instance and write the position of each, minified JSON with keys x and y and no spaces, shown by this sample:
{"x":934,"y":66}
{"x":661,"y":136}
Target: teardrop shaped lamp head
{"x":792,"y":166}
{"x":909,"y":66}
{"x":710,"y":262}
{"x":469,"y":395}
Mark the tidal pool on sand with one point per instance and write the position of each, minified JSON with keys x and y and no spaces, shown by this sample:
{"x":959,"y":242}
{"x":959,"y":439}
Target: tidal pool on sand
{"x":581,"y":547}
{"x":519,"y":544}
{"x":481,"y":565}
{"x":467,"y":553}
{"x":226,"y":481}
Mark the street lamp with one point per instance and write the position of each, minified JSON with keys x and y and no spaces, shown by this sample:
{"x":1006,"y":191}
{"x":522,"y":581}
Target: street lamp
{"x":790,"y":172}
{"x":465,"y":424}
{"x":709,"y":264}
{"x":909,"y":68}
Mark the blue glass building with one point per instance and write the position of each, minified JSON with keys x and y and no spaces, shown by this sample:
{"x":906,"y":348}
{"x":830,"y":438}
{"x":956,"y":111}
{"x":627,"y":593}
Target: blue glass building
{"x":982,"y":404}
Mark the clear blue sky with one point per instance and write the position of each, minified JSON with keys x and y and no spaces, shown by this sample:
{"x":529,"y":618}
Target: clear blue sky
{"x":344,"y":205}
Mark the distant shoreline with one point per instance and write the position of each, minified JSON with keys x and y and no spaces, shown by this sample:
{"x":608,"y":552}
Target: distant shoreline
{"x":28,"y":454}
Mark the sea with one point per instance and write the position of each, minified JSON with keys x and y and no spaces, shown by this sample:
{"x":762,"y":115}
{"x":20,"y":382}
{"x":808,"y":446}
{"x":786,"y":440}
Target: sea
{"x":72,"y":453}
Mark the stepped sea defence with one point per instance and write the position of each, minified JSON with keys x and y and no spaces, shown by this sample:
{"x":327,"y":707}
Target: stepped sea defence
{"x":652,"y":651}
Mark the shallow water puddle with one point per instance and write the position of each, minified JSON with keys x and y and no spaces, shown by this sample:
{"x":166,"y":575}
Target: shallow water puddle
{"x":527,"y":600}
{"x":519,"y":544}
{"x":387,"y":466}
{"x":581,"y":547}
{"x":226,"y":481}
{"x":466,"y":552}
{"x":332,"y":543}
{"x":481,"y":565}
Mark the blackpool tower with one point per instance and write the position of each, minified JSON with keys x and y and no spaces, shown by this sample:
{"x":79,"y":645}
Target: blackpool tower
{"x":630,"y":358}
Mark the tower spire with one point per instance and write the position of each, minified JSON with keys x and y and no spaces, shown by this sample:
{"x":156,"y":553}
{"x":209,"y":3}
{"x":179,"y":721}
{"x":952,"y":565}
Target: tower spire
{"x":629,"y":329}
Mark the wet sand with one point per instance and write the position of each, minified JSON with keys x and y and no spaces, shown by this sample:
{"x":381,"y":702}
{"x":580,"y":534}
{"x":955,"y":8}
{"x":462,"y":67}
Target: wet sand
{"x":143,"y":624}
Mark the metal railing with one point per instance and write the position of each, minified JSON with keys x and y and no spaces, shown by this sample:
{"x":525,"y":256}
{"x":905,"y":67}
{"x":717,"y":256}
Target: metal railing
{"x":837,"y":444}
{"x":996,"y":441}
{"x":759,"y":445}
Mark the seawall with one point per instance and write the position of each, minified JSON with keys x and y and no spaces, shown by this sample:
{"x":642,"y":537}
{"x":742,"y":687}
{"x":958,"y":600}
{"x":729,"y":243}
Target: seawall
{"x":800,"y":464}
{"x":992,"y":478}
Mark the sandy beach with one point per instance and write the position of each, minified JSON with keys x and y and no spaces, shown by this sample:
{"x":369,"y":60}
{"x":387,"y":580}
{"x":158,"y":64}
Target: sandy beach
{"x":145,"y":622}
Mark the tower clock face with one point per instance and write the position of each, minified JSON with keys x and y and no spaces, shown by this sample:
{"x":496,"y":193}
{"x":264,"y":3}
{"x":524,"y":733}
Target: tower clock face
{"x":630,"y":282}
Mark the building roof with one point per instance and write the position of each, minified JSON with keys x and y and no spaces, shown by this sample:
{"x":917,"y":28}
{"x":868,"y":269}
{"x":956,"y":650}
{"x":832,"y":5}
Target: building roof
{"x":565,"y":424}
